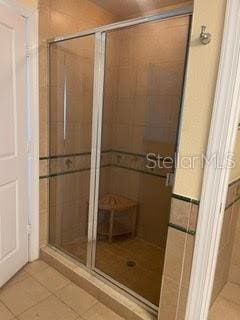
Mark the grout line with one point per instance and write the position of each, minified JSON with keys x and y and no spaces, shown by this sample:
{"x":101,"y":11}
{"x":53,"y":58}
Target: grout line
{"x":234,"y":182}
{"x":34,"y":305}
{"x":182,"y":229}
{"x":232,"y":203}
{"x":223,"y":298}
{"x":8,"y":309}
{"x":71,"y":282}
{"x":31,"y":276}
{"x":53,"y":293}
{"x":183,"y":263}
{"x":58,"y":298}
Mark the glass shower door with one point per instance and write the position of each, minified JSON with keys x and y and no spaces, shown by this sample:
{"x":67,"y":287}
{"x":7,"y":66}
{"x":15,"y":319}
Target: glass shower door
{"x":71,"y":103}
{"x":111,"y":166}
{"x":144,"y":72}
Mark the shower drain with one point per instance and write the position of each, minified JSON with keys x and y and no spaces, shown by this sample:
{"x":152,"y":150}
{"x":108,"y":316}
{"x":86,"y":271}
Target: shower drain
{"x":131,"y":264}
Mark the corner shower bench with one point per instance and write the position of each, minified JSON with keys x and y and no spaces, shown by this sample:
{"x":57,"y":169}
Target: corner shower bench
{"x":113,"y":207}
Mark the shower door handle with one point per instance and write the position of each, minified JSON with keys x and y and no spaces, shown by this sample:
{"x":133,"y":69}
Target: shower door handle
{"x":169,"y":179}
{"x":65,"y":103}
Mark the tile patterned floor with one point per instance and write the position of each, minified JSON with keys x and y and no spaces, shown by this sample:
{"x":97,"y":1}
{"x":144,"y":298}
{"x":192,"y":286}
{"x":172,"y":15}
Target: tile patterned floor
{"x":227,"y":304}
{"x":39,"y":292}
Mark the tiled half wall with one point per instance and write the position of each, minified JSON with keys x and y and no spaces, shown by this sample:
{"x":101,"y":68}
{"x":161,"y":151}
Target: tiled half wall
{"x":178,"y":257}
{"x":180,"y":247}
{"x":228,"y":265}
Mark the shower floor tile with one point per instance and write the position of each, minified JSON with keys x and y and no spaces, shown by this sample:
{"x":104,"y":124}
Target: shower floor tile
{"x":135,"y":263}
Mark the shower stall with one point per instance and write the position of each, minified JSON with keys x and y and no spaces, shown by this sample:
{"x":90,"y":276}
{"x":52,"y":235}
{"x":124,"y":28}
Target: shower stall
{"x":115,"y":102}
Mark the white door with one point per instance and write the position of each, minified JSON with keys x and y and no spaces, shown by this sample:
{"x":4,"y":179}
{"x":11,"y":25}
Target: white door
{"x":13,"y":146}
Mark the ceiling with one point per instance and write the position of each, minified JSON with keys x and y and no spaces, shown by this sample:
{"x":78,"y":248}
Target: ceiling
{"x":128,"y":8}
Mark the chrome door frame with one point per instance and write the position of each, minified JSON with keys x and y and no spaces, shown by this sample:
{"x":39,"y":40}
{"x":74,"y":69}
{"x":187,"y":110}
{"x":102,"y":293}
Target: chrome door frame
{"x":126,"y":23}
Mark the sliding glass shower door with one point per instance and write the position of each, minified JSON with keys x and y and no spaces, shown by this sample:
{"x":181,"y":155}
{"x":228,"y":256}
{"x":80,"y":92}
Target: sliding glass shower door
{"x":144,"y":73}
{"x":115,"y":101}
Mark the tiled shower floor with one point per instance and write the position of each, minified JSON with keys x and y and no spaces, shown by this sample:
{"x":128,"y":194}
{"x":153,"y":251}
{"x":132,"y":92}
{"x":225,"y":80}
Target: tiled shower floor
{"x":146,"y":263}
{"x":39,"y":292}
{"x":227,"y":304}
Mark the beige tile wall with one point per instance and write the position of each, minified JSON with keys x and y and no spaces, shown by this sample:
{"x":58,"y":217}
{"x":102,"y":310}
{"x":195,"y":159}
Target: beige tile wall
{"x":175,"y":291}
{"x":58,"y":18}
{"x":132,"y":107}
{"x":225,"y":250}
{"x":178,"y":260}
{"x":179,"y":253}
{"x":143,"y":86}
{"x":74,"y":61}
{"x":154,"y":211}
{"x":234,"y":274}
{"x":228,"y":266}
{"x":149,"y":74}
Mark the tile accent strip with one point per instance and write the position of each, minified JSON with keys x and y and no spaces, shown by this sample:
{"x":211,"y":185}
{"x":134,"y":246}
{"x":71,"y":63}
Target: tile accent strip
{"x":233,"y":193}
{"x":232,"y":203}
{"x":232,"y":197}
{"x":102,"y":166}
{"x":143,"y":155}
{"x":183,"y":198}
{"x":180,"y":228}
{"x":64,"y":164}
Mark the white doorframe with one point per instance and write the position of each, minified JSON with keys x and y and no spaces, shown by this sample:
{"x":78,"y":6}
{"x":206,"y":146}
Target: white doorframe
{"x":31,"y":16}
{"x":222,"y":138}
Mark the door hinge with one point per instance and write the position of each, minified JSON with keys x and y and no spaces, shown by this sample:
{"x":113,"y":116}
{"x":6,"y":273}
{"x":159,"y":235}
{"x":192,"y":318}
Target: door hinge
{"x":29,"y":229}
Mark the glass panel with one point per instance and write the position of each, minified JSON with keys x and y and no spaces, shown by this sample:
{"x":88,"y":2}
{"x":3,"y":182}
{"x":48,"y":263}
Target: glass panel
{"x":144,"y":75}
{"x":71,"y":100}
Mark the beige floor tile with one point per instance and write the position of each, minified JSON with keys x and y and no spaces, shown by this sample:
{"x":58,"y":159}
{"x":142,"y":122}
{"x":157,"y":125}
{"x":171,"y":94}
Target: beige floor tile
{"x":224,"y":310}
{"x":79,"y":300}
{"x":5,"y":314}
{"x":20,"y":276}
{"x":231,"y":292}
{"x":23,"y":295}
{"x":100,"y":312}
{"x":35,"y":267}
{"x":49,"y":309}
{"x":51,"y":279}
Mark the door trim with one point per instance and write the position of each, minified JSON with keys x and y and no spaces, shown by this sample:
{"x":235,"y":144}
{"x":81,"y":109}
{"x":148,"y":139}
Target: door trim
{"x":221,"y":141}
{"x":32,"y":102}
